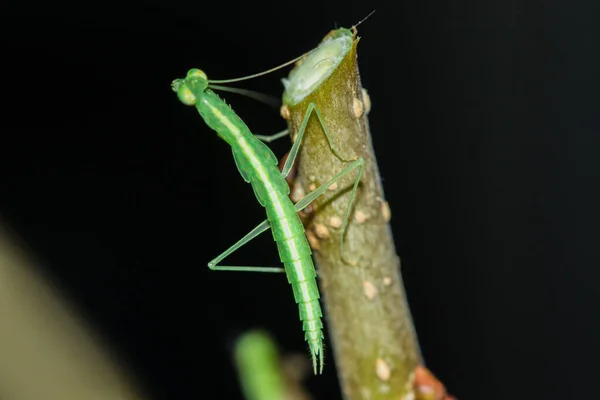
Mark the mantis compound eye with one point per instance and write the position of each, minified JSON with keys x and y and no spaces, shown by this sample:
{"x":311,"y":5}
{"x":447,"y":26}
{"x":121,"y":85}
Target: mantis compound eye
{"x":184,"y":93}
{"x":197,"y":73}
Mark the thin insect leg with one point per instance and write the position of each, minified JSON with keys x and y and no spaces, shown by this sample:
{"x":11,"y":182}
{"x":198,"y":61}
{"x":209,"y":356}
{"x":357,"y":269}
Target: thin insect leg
{"x":271,"y":138}
{"x":361,"y":166}
{"x":309,"y":198}
{"x":294,"y":150}
{"x":264,"y":226}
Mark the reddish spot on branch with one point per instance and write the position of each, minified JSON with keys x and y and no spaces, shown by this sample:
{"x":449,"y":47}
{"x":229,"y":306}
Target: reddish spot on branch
{"x":428,"y":387}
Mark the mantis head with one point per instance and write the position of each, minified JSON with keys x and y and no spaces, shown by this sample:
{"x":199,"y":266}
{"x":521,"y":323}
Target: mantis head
{"x":191,"y":87}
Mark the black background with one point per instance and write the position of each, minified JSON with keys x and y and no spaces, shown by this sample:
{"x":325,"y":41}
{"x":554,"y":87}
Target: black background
{"x":485,"y":124}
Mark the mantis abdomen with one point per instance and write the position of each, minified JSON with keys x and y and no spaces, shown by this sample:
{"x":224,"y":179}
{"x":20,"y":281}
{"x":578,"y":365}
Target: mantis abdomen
{"x":295,"y":254}
{"x":272,"y":192}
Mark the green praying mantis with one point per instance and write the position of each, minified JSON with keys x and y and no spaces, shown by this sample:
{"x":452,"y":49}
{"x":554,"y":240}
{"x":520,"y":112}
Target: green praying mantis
{"x":259,"y":166}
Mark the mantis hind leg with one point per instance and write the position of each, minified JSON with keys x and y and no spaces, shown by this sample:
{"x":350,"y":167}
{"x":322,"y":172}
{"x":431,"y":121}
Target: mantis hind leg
{"x":264,"y":226}
{"x":299,"y":206}
{"x":309,"y":198}
{"x":355,"y":163}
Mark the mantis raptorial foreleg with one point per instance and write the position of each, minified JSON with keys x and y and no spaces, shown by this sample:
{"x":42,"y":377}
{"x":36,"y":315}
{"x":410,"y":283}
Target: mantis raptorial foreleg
{"x":304,"y":202}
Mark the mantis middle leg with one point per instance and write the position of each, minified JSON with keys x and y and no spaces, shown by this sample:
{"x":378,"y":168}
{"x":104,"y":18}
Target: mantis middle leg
{"x":357,"y":163}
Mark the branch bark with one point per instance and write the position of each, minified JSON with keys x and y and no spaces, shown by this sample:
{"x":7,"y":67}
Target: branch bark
{"x":368,"y":318}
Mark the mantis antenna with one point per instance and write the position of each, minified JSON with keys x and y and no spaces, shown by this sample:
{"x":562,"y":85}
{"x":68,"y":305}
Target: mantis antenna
{"x":269,"y":100}
{"x":363,"y":20}
{"x":243,"y":78}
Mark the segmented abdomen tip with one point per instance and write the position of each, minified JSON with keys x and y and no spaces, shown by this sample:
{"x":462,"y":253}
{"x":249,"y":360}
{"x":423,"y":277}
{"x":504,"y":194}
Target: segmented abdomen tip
{"x":317,"y":350}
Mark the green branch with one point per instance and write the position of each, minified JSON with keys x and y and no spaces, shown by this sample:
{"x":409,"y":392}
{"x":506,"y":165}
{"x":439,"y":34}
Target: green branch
{"x":368,"y":318}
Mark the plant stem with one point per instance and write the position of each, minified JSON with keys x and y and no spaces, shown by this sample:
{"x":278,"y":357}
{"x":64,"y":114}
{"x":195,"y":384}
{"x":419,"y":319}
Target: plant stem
{"x":368,"y":319}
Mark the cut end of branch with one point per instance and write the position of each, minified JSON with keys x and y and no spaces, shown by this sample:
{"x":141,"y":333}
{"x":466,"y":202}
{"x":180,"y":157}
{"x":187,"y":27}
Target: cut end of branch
{"x":316,"y":67}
